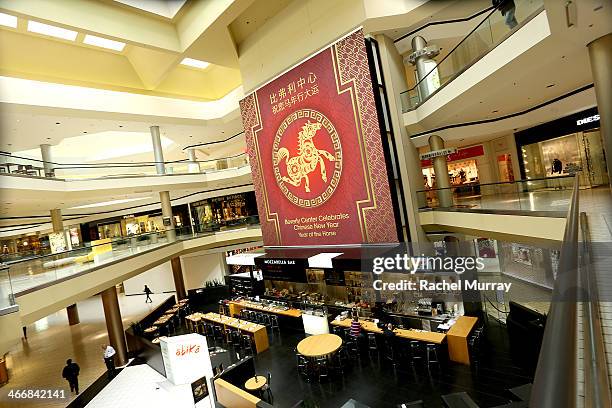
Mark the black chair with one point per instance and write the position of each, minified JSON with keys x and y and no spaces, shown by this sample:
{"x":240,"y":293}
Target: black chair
{"x":416,"y":352}
{"x":352,"y":346}
{"x":432,"y":355}
{"x":322,"y":368}
{"x":248,"y":346}
{"x":302,"y":364}
{"x":372,"y":343}
{"x":336,"y":364}
{"x":266,"y":388}
{"x":274,"y":323}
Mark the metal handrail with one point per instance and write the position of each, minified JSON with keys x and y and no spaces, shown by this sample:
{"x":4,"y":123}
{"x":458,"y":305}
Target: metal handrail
{"x":555,"y":379}
{"x":596,"y":380}
{"x":498,"y":183}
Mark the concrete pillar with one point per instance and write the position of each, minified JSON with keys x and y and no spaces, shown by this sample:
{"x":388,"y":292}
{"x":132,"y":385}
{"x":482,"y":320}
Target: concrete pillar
{"x":445,"y":196}
{"x":177,"y":274}
{"x":45,"y":152}
{"x":600,"y":55}
{"x":157,"y":150}
{"x":58,"y":227}
{"x":194,"y":166}
{"x":114,"y":326}
{"x":73,"y":315}
{"x":168,"y":218}
{"x":394,"y":72}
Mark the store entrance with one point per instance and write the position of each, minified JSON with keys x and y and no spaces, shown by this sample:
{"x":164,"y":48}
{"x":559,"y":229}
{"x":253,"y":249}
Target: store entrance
{"x":580,"y":152}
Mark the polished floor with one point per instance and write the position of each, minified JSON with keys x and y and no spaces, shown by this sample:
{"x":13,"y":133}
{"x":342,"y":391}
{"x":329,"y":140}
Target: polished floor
{"x":37,"y":362}
{"x":374,"y":381}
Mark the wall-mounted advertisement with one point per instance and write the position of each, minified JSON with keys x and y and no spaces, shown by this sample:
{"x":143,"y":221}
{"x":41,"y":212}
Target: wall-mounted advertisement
{"x":57,"y":242}
{"x":316,"y":155}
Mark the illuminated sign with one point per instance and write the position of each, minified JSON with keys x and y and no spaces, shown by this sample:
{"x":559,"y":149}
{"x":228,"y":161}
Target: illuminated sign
{"x":588,"y":119}
{"x":316,"y":153}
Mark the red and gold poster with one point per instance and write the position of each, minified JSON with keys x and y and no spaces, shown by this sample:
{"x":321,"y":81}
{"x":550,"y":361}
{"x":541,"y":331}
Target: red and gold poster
{"x":316,"y":155}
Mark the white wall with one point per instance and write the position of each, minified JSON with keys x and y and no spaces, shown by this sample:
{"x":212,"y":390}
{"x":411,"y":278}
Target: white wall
{"x":201,"y":267}
{"x":158,"y":278}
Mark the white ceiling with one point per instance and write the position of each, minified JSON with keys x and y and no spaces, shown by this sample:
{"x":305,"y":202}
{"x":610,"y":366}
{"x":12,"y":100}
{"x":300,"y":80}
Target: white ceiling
{"x":85,"y":139}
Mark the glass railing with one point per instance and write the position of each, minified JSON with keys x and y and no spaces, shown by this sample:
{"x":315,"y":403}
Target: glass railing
{"x":41,"y":270}
{"x":23,"y":166}
{"x":7,"y":299}
{"x":490,"y":32}
{"x":546,"y":194}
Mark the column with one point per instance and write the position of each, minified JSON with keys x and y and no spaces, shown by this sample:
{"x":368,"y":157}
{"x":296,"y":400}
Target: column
{"x":194,"y":166}
{"x":445,"y":197}
{"x":600,"y":55}
{"x":114,"y":326}
{"x":58,"y":227}
{"x":394,"y":72}
{"x":73,"y":315}
{"x":45,"y":152}
{"x":177,"y":274}
{"x":167,"y":217}
{"x":157,"y":150}
{"x":164,"y":196}
{"x":420,"y":57}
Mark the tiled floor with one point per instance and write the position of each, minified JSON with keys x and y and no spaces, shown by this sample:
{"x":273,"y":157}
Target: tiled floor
{"x":38,"y":362}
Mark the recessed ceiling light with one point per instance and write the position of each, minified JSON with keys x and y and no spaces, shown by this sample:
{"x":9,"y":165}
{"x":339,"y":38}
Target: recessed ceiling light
{"x":103,"y":42}
{"x":120,"y":125}
{"x":53,"y":31}
{"x":85,"y":132}
{"x":550,"y":85}
{"x":495,"y":111}
{"x":194,"y":63}
{"x":48,"y":138}
{"x":8,"y":20}
{"x":58,"y":123}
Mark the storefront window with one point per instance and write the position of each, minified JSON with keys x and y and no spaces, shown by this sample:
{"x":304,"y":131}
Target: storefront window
{"x":226,"y":208}
{"x":577,"y":152}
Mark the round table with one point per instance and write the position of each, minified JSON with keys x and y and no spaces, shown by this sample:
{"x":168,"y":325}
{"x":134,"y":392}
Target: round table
{"x":251,"y":385}
{"x":319,"y":345}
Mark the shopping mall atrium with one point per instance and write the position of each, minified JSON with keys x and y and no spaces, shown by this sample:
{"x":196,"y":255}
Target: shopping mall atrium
{"x":306,"y":203}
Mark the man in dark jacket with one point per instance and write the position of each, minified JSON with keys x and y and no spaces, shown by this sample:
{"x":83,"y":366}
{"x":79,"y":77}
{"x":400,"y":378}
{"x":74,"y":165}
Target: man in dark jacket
{"x":507,"y":9}
{"x":71,"y":374}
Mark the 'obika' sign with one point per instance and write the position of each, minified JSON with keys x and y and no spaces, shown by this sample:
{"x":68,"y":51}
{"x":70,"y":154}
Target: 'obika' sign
{"x":316,"y":154}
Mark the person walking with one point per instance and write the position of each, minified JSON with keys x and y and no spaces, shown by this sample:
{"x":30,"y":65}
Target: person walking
{"x":71,"y":374}
{"x":109,"y":360}
{"x":148,"y":292}
{"x":507,"y":9}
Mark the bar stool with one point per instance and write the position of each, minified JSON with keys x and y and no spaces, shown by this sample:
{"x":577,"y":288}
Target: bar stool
{"x":372,"y":344}
{"x":336,"y":363}
{"x":218,"y":332}
{"x":432,"y":355}
{"x":248,"y":344}
{"x":322,"y":369}
{"x":228,"y":335}
{"x":352,"y":346}
{"x":416,"y":352}
{"x":236,"y":339}
{"x":274,"y":323}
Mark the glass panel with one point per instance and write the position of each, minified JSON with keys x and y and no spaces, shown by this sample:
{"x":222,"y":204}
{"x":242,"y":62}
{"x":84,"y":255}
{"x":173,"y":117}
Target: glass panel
{"x":491,"y":31}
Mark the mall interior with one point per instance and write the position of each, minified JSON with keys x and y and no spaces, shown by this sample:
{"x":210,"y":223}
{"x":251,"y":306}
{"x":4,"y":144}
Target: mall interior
{"x":202,"y":202}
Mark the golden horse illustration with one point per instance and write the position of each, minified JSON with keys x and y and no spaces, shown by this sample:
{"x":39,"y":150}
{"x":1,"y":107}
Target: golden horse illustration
{"x":300,"y":166}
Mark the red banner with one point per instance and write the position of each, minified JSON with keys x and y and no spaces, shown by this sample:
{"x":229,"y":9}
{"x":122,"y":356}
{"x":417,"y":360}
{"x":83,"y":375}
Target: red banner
{"x":316,"y":155}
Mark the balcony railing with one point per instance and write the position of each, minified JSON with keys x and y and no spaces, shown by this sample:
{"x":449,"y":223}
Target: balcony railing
{"x":551,"y":194}
{"x":23,"y":275}
{"x":489,"y":33}
{"x":24,"y":166}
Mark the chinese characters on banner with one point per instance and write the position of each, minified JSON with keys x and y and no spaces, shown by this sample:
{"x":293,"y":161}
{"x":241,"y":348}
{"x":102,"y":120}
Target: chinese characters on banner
{"x":316,"y":155}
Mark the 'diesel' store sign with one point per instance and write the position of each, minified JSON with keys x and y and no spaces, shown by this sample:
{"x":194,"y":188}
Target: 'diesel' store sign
{"x":316,"y":155}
